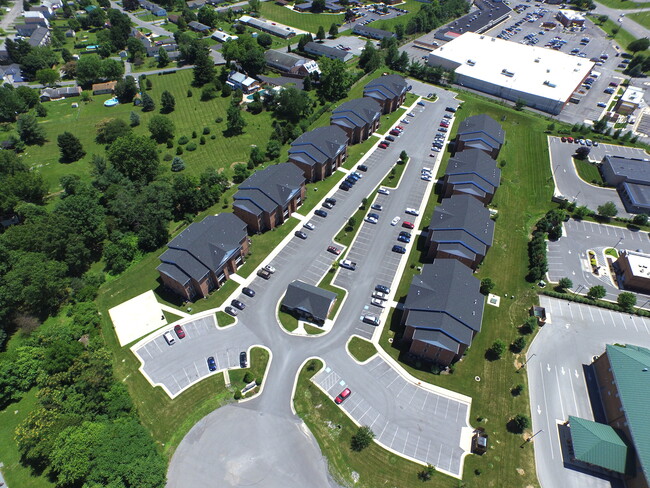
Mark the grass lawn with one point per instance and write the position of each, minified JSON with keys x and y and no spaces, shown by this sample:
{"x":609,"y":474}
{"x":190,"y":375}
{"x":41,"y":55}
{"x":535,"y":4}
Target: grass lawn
{"x":642,"y":18}
{"x":313,"y":330}
{"x":392,"y":178}
{"x":624,"y":4}
{"x":524,"y":195}
{"x":304,"y":21}
{"x":288,"y":321}
{"x":333,"y":431}
{"x":263,"y":244}
{"x":622,"y":37}
{"x":356,"y":152}
{"x":224,"y":319}
{"x":319,"y":190}
{"x":410,"y":99}
{"x":14,"y":472}
{"x":326,"y":284}
{"x":347,"y":233}
{"x":257,"y":363}
{"x":413,"y":6}
{"x":361,"y":349}
{"x":388,"y":120}
{"x":588,"y":171}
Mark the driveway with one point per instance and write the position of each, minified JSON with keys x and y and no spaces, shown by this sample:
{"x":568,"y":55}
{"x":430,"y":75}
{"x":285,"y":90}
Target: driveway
{"x":567,"y":257}
{"x":274,"y":425}
{"x":575,"y":189}
{"x":559,"y":379}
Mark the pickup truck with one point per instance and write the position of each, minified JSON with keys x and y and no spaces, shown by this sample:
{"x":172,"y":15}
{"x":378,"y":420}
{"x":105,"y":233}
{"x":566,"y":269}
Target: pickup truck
{"x":346,"y":263}
{"x":264,"y":273}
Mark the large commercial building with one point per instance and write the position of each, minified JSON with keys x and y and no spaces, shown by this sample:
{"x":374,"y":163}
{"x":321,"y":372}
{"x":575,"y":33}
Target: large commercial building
{"x":631,"y":177}
{"x":634,"y":271}
{"x":543,"y":79}
{"x":272,"y":28}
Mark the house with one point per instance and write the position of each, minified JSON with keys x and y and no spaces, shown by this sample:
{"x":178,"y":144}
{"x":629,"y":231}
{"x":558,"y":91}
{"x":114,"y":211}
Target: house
{"x":194,"y":4}
{"x":359,"y":118}
{"x":45,"y":9}
{"x":371,"y":32}
{"x":104,"y":88}
{"x":155,"y":9}
{"x":48,"y":94}
{"x":308,"y":302}
{"x":480,"y":132}
{"x":36,"y":18}
{"x":26,"y":30}
{"x":631,"y":177}
{"x":4,"y":54}
{"x":389,"y":91}
{"x":11,"y":74}
{"x":316,"y":49}
{"x":239,"y":81}
{"x":172,"y":50}
{"x":460,"y":229}
{"x":268,"y":197}
{"x":202,"y":257}
{"x":272,"y":28}
{"x":223,"y":36}
{"x":70,"y":33}
{"x":633,"y":272}
{"x":570,"y":18}
{"x":40,"y":37}
{"x":198,"y":26}
{"x":330,"y":7}
{"x":146,"y":41}
{"x":173,"y":18}
{"x":290,"y":63}
{"x":319,"y":152}
{"x":443,"y":312}
{"x":472,"y":172}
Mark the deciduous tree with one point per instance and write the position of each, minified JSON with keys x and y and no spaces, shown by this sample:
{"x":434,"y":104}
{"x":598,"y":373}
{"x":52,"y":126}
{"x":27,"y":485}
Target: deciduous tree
{"x":70,"y":147}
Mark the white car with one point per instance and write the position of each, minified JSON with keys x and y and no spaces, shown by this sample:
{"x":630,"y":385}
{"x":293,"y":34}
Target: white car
{"x":269,"y":268}
{"x":377,"y":302}
{"x":406,"y":121}
{"x":394,"y":221}
{"x":412,"y":211}
{"x":383,"y":191}
{"x":379,"y":295}
{"x":371,"y":220}
{"x":425,"y":177}
{"x":309,"y":226}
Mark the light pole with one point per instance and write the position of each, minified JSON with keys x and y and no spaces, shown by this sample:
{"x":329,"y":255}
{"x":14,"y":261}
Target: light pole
{"x":526,"y":362}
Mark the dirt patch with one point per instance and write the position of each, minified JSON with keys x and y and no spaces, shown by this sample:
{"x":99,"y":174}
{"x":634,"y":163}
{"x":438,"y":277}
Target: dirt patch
{"x":521,"y":472}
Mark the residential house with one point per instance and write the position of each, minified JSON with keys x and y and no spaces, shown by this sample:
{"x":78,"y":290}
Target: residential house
{"x":480,"y":132}
{"x":48,"y":94}
{"x":267,"y":198}
{"x":202,"y":257}
{"x":195,"y":4}
{"x":389,"y":91}
{"x":145,"y":40}
{"x":308,"y":302}
{"x":359,"y":118}
{"x":45,"y":9}
{"x":11,"y":74}
{"x":461,"y":229}
{"x":371,"y":32}
{"x":104,"y":88}
{"x":155,"y":9}
{"x":173,"y":18}
{"x":26,"y":30}
{"x":36,"y":18}
{"x":70,"y":33}
{"x":272,"y":28}
{"x":443,"y":312}
{"x":172,"y":51}
{"x":316,"y":49}
{"x":291,"y":64}
{"x":223,"y":36}
{"x":319,"y":152}
{"x":4,"y":54}
{"x":239,"y":81}
{"x":40,"y":37}
{"x":471,"y":172}
{"x":198,"y":26}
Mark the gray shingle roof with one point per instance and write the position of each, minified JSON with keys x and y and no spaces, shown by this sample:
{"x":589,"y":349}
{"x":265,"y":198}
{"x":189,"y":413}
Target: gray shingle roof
{"x":358,"y":112}
{"x":280,"y":59}
{"x":386,"y":87}
{"x":204,"y":246}
{"x":366,"y":31}
{"x":481,"y":127}
{"x":476,"y":162}
{"x":37,"y":36}
{"x":309,"y":298}
{"x":437,"y":338}
{"x":270,"y":188}
{"x":634,"y":170}
{"x":319,"y":145}
{"x":445,"y":297}
{"x":327,"y":51}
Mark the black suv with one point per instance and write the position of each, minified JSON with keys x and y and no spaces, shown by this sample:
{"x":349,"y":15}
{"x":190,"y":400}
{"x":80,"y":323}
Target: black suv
{"x":243,"y":360}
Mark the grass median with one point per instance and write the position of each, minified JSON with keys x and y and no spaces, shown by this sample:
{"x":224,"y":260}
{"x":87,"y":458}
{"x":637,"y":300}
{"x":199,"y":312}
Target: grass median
{"x":588,"y":172}
{"x":361,"y":349}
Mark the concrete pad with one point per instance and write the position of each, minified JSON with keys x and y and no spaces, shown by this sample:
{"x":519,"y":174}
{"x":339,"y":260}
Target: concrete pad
{"x":137,"y":317}
{"x":493,"y":300}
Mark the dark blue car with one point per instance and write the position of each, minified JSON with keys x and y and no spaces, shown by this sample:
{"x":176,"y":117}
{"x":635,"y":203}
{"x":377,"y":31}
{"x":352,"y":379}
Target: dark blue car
{"x":404,"y":239}
{"x":212,"y":366}
{"x":399,"y":249}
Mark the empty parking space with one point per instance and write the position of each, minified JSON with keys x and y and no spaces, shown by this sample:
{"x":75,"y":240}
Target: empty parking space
{"x":413,"y":421}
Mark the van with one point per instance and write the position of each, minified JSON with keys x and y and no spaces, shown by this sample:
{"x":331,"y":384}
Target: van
{"x":169,"y":337}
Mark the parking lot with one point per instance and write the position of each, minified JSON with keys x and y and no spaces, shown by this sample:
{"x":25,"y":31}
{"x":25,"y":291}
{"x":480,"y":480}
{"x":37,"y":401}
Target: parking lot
{"x":567,"y":257}
{"x":178,"y":366}
{"x":372,"y":17}
{"x":415,"y":422}
{"x":560,"y":380}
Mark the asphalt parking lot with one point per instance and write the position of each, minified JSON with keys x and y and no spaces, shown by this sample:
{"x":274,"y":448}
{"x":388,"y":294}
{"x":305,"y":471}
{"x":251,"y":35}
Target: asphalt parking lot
{"x":567,"y":257}
{"x":184,"y":363}
{"x":417,"y":423}
{"x":356,"y":44}
{"x":367,"y":14}
{"x":559,"y":377}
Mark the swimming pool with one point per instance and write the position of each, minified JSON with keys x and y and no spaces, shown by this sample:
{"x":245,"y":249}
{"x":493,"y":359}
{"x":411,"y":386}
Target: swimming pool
{"x":111,"y":102}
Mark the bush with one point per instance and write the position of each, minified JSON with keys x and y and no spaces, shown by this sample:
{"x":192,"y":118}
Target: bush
{"x":238,"y":395}
{"x":208,"y":93}
{"x":519,"y":344}
{"x":248,"y":377}
{"x":183,"y":140}
{"x":170,"y":144}
{"x":167,"y":157}
{"x":189,"y":93}
{"x":178,"y":164}
{"x":206,"y":131}
{"x":179,"y":150}
{"x":518,"y":424}
{"x":426,"y":473}
{"x":213,"y":137}
{"x":517,"y":390}
{"x":362,"y":439}
{"x":191,"y":146}
{"x":497,"y":349}
{"x":194,"y":135}
{"x":218,"y":120}
{"x":530,"y":325}
{"x":202,"y":140}
{"x":487,"y":285}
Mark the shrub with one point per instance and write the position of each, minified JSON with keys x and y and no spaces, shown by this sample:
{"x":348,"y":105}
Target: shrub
{"x":238,"y":395}
{"x":179,"y":150}
{"x":518,"y":424}
{"x":497,"y":349}
{"x":517,"y":390}
{"x":362,"y":439}
{"x":248,"y":377}
{"x":183,"y":140}
{"x":191,"y":146}
{"x":519,"y":344}
{"x":208,"y":93}
{"x":167,"y":157}
{"x":213,"y":137}
{"x":189,"y":93}
{"x":206,"y":131}
{"x":218,"y":120}
{"x":170,"y":144}
{"x":178,"y":164}
{"x":193,"y":134}
{"x":202,"y":140}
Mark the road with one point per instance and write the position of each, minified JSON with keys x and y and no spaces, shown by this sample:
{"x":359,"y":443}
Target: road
{"x":157,"y":30}
{"x":559,"y":377}
{"x":634,"y":28}
{"x":10,"y":17}
{"x":436,"y":418}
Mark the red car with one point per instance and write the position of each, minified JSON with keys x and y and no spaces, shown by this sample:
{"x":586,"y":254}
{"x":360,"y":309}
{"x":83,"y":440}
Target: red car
{"x":400,"y":128}
{"x":394,"y":132}
{"x":444,"y":124}
{"x":342,"y":396}
{"x":179,"y":331}
{"x":334,"y":250}
{"x":563,"y":139}
{"x":408,"y":225}
{"x":383,"y":145}
{"x":569,"y":139}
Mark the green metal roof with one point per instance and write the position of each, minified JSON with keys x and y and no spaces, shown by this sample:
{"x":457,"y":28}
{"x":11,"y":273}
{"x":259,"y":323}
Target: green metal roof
{"x":600,"y":445}
{"x":631,"y":369}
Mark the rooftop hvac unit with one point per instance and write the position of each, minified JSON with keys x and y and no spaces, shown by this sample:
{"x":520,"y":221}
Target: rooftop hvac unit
{"x":482,"y":37}
{"x":549,"y":84}
{"x":507,"y":73}
{"x":471,"y":62}
{"x":537,"y":60}
{"x":494,"y":39}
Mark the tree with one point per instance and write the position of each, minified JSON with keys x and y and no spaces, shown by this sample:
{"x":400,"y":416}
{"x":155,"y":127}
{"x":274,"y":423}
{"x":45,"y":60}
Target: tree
{"x":247,"y":52}
{"x":640,"y":219}
{"x":134,"y":119}
{"x":519,"y":344}
{"x":235,"y":122}
{"x":600,"y":126}
{"x":602,"y":19}
{"x":304,"y":39}
{"x":177,"y":164}
{"x":273,"y":149}
{"x":111,"y":69}
{"x":596,"y":292}
{"x":137,"y":51}
{"x":519,"y":423}
{"x":47,"y":76}
{"x":29,"y":131}
{"x":487,"y":285}
{"x":607,"y":210}
{"x":254,"y":5}
{"x":403,"y":156}
{"x":581,"y":212}
{"x":362,"y":438}
{"x":334,"y":30}
{"x":639,"y":45}
{"x":161,"y":128}
{"x":426,"y":473}
{"x":564,"y":284}
{"x":306,"y":84}
{"x":135,"y":157}
{"x":163,"y":58}
{"x":167,"y":102}
{"x":292,"y":104}
{"x":335,"y":81}
{"x":530,"y":325}
{"x":70,"y":147}
{"x":264,"y":40}
{"x":521,"y":103}
{"x":110,"y":129}
{"x":318,"y":6}
{"x":241,"y":172}
{"x":148,"y":104}
{"x":88,"y":69}
{"x":203,"y":66}
{"x":257,"y":156}
{"x":626,"y":300}
{"x":320,"y":35}
{"x":582,"y":152}
{"x":399,"y":31}
{"x":126,"y":89}
{"x":497,"y":349}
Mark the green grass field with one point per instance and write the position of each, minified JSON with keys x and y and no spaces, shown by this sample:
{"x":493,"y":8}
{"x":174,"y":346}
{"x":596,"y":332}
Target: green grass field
{"x":361,"y":349}
{"x":413,"y":6}
{"x":356,"y":152}
{"x":588,"y":171}
{"x":622,"y":37}
{"x":624,"y":4}
{"x":392,"y":179}
{"x":304,"y":21}
{"x":288,"y":321}
{"x":388,"y":120}
{"x":224,"y":319}
{"x":642,"y":18}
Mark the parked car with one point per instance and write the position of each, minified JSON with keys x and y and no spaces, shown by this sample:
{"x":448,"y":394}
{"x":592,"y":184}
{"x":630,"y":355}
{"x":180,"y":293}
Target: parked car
{"x":447,"y":116}
{"x":347,"y":264}
{"x":394,"y":132}
{"x":179,"y":331}
{"x":333,"y":250}
{"x":390,"y":138}
{"x":300,"y":234}
{"x":408,"y":225}
{"x":371,"y":220}
{"x":383,"y":145}
{"x":212,"y":365}
{"x":377,"y":302}
{"x":383,"y":191}
{"x":371,"y":319}
{"x":309,"y":225}
{"x":412,"y":211}
{"x":421,"y":103}
{"x":373,"y":215}
{"x":376,"y":206}
{"x":399,"y":249}
{"x":387,"y":142}
{"x":450,"y":109}
{"x":243,"y":360}
{"x":380,"y":295}
{"x":231,"y":311}
{"x":363,"y":167}
{"x":269,"y":268}
{"x":238,"y":304}
{"x":263,"y":273}
{"x":328,"y":205}
{"x":344,"y":186}
{"x":394,"y":221}
{"x":383,"y":289}
{"x":342,"y":396}
{"x":249,"y":292}
{"x":403,"y":239}
{"x":442,"y":129}
{"x":321,"y":213}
